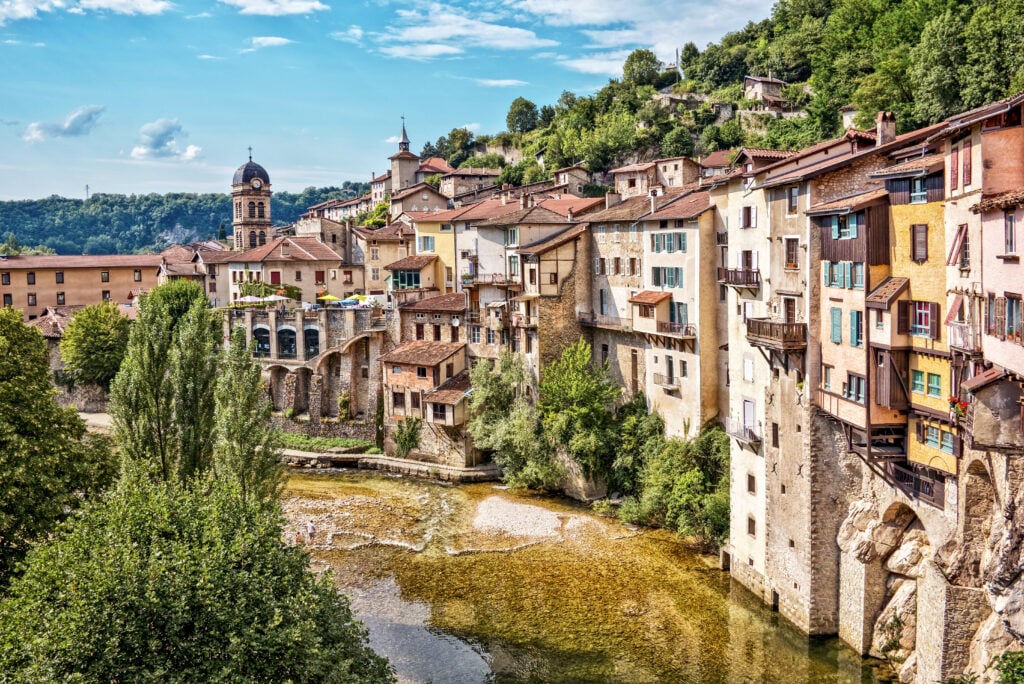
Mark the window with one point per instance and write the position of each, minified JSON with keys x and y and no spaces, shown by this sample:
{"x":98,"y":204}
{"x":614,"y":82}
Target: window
{"x":632,"y":266}
{"x":419,"y":331}
{"x":946,"y":438}
{"x":858,"y":275}
{"x":670,"y":242}
{"x":374,"y":273}
{"x":106,"y":295}
{"x":396,"y":370}
{"x":453,"y":331}
{"x":32,"y":298}
{"x":1013,"y":316}
{"x":60,"y":299}
{"x":600,"y":233}
{"x":30,"y":278}
{"x":440,"y":412}
{"x":879,"y":321}
{"x":421,"y":372}
{"x":921,"y":319}
{"x":8,"y":300}
{"x":490,"y":336}
{"x":827,"y":375}
{"x":856,"y":328}
{"x":855,"y":385}
{"x":748,"y":217}
{"x":683,"y":370}
{"x":446,"y":227}
{"x":59,"y":276}
{"x":320,"y":277}
{"x":511,"y":236}
{"x":646,"y":311}
{"x":775,"y":435}
{"x":425,"y":243}
{"x":5,"y":278}
{"x":632,"y":232}
{"x":298,"y":276}
{"x":967,"y":162}
{"x":751,"y":526}
{"x":934,"y":385}
{"x":414,"y":400}
{"x":954,"y":168}
{"x":919,"y":242}
{"x":260,"y":210}
{"x":792,"y":252}
{"x":374,"y":253}
{"x":552,"y":278}
{"x":474,"y":334}
{"x":252,"y":210}
{"x":513,"y":265}
{"x":618,"y":266}
{"x":604,"y":353}
{"x":751,"y":484}
{"x":918,"y":191}
{"x":601,"y":269}
{"x":437,"y":333}
{"x":1009,"y":233}
{"x":792,"y":198}
{"x":917,"y":381}
{"x":398,"y":400}
{"x":837,"y":325}
{"x":931,"y":436}
{"x":965,"y":250}
{"x":632,"y":182}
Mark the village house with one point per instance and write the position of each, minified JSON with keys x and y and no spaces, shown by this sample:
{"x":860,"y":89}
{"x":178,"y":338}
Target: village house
{"x":466,"y":180}
{"x":374,"y":248}
{"x":765,"y":91}
{"x":643,"y":177}
{"x":306,"y":263}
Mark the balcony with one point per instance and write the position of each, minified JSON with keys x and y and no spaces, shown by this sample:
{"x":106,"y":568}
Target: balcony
{"x":965,"y":336}
{"x":498,"y":279}
{"x":740,"y":277}
{"x":722,"y":238}
{"x":919,"y":486}
{"x":669,"y":384}
{"x":746,"y":435}
{"x":776,"y":335}
{"x":677,"y":329}
{"x":523,"y":321}
{"x":609,"y":322}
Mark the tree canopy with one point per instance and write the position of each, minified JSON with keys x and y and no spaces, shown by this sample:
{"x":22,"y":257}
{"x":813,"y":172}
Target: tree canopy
{"x":522,"y":116}
{"x":94,"y":344}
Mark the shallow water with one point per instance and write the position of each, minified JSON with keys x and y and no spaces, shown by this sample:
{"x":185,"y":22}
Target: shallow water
{"x":476,"y":584}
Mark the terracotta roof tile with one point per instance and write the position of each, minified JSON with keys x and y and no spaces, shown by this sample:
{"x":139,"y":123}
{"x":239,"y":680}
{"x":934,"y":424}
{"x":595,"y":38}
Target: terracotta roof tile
{"x":51,"y":324}
{"x":687,"y":207}
{"x":887,"y":291}
{"x":411,"y":263}
{"x":649,"y":297}
{"x":79,"y":261}
{"x":636,"y":207}
{"x":633,"y":168}
{"x":453,"y":302}
{"x":452,"y":391}
{"x":972,"y":116}
{"x":847,"y":204}
{"x":422,"y":353}
{"x":916,"y":166}
{"x":717,"y":159}
{"x":393,"y":232}
{"x":299,"y":249}
{"x":435,"y":165}
{"x":579,"y":205}
{"x":552,"y":241}
{"x":413,"y":189}
{"x":530,"y":215}
{"x":1003,"y":200}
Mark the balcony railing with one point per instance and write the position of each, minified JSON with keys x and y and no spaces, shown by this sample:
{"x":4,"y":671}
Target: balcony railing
{"x":662,"y":380}
{"x":602,"y":321}
{"x":746,"y":434}
{"x":491,"y":279}
{"x":740,"y":277}
{"x":928,"y":489}
{"x":722,"y":238}
{"x":523,"y":321}
{"x":763,"y":332}
{"x":680,"y":329}
{"x":964,"y":336}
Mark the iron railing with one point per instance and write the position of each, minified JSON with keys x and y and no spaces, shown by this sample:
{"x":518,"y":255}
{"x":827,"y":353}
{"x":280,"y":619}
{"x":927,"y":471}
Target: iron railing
{"x":740,"y":277}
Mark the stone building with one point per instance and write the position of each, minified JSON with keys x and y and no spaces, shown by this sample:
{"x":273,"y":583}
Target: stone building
{"x":250,"y":198}
{"x":305,"y":263}
{"x":465,"y":180}
{"x":643,"y":177}
{"x":375,"y":248}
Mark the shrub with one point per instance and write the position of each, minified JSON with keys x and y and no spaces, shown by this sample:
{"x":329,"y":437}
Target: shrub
{"x":407,"y":436}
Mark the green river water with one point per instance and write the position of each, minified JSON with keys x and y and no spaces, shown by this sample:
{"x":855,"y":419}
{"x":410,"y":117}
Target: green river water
{"x":472,"y":583}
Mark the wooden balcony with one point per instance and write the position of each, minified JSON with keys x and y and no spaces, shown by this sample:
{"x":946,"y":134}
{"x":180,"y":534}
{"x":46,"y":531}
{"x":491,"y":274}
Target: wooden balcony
{"x":497,"y":279}
{"x":609,"y":322}
{"x":917,"y":485}
{"x":670,"y":384}
{"x":776,"y":335}
{"x":523,"y":321}
{"x":746,"y":435}
{"x":749,"y":278}
{"x":677,"y":329}
{"x":965,"y":337}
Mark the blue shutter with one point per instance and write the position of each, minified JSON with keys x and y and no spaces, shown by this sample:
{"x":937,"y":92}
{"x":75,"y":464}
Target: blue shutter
{"x":835,"y":227}
{"x":853,"y":328}
{"x":679,"y":276}
{"x":684,"y":314}
{"x":837,"y":325}
{"x":682,"y":242}
{"x":853,"y":220}
{"x":828,"y":272}
{"x":669,"y":242}
{"x":848,"y":269}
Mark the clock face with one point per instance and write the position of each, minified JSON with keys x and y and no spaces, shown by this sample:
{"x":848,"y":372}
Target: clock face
{"x":256,"y":183}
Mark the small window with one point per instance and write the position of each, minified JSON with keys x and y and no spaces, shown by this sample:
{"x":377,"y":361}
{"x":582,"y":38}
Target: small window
{"x":934,"y":385}
{"x":919,"y":242}
{"x":421,"y":372}
{"x":137,"y":276}
{"x":298,"y":276}
{"x":751,"y":484}
{"x":106,"y":295}
{"x":5,"y":278}
{"x":553,"y":278}
{"x":918,"y":192}
{"x":775,"y":435}
{"x":8,"y":300}
{"x":60,"y":299}
{"x":398,"y":400}
{"x":792,"y":199}
{"x":792,"y":253}
{"x":30,"y":278}
{"x":104,"y":277}
{"x":32,"y":298}
{"x":917,"y":381}
{"x":396,"y":370}
{"x":751,"y":526}
{"x":59,"y":275}
{"x":646,"y":311}
{"x":414,"y":400}
{"x":827,"y":373}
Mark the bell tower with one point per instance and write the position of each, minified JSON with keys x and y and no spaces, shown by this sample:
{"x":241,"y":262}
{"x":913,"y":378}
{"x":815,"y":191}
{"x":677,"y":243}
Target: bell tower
{"x":250,"y":205}
{"x":403,"y":164}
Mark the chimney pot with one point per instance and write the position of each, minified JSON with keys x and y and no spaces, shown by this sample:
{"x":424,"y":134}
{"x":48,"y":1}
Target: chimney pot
{"x":885,"y":128}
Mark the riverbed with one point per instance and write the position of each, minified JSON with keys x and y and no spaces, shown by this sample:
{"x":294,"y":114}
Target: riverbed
{"x":474,"y":583}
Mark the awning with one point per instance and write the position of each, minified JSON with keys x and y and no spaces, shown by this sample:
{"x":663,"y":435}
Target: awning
{"x":495,"y":305}
{"x":984,"y":378}
{"x":526,"y":297}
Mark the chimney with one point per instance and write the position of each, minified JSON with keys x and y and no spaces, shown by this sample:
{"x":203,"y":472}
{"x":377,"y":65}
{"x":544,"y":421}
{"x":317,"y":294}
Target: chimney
{"x":885,"y":127}
{"x":611,"y":199}
{"x":653,"y":193}
{"x":284,"y":248}
{"x":522,"y":201}
{"x":568,"y":215}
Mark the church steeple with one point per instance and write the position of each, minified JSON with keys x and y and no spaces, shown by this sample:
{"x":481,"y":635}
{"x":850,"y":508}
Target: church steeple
{"x":403,"y":143}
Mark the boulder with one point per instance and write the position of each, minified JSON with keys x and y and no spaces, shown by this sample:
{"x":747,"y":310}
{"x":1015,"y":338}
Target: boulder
{"x":903,"y":603}
{"x":907,"y":558}
{"x":908,"y":671}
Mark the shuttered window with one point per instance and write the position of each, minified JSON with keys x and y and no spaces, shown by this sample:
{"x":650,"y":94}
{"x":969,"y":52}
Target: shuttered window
{"x":967,"y":163}
{"x":954,"y":168}
{"x":919,"y":242}
{"x":902,"y":318}
{"x":828,"y":272}
{"x":856,"y":330}
{"x":837,"y":325}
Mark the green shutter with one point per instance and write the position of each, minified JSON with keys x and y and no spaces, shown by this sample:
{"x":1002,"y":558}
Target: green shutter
{"x":679,"y":276}
{"x":853,"y":221}
{"x":855,"y":328}
{"x":828,"y":272}
{"x":682,"y":242}
{"x":835,"y":227}
{"x":848,"y":268}
{"x":837,"y":325}
{"x":684,"y":315}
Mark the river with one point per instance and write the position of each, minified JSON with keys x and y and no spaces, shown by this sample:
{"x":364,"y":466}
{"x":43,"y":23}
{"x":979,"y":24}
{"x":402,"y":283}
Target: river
{"x":472,"y":583}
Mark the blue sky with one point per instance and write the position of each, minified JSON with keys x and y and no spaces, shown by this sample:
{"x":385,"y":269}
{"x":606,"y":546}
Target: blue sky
{"x":138,"y":96}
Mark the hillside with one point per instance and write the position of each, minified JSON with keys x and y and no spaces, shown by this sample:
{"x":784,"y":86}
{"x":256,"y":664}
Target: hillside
{"x":120,"y":224}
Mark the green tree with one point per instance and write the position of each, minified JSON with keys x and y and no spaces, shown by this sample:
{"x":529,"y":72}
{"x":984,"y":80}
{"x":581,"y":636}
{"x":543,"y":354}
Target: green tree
{"x":576,"y":399}
{"x":407,"y":436}
{"x":677,"y":143}
{"x":49,"y":463}
{"x":222,"y":232}
{"x":94,"y":344}
{"x":492,"y":160}
{"x":640,"y":433}
{"x":162,"y":398}
{"x":179,"y":584}
{"x":522,"y":116}
{"x":641,"y":68}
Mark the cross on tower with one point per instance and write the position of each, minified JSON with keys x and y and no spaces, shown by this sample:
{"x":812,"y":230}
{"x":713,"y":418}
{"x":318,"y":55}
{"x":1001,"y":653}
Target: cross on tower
{"x":250,"y":152}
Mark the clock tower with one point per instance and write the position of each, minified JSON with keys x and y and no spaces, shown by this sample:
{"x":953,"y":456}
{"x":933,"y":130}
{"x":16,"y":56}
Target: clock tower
{"x":250,"y":199}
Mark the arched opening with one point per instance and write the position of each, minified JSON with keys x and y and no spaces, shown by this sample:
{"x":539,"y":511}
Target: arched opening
{"x":330,"y":370}
{"x":286,"y":343}
{"x":252,"y":239}
{"x":311,"y":342}
{"x":967,"y":566}
{"x":263,"y":237}
{"x":261,"y":335}
{"x":302,"y":378}
{"x":259,"y":211}
{"x":252,"y":210}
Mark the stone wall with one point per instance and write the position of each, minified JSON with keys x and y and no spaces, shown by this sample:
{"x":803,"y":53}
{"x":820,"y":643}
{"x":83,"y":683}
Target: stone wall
{"x":324,"y":428}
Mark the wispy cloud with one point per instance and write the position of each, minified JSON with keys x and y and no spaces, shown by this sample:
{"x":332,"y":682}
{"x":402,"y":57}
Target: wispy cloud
{"x":78,"y":123}
{"x":276,"y":8}
{"x":392,"y":139}
{"x":499,"y":82}
{"x":354,"y":35}
{"x":609,"y":63}
{"x":201,"y":15}
{"x":23,"y":43}
{"x":208,"y":57}
{"x":12,"y":10}
{"x":160,"y":140}
{"x":260,"y":42}
{"x":437,"y":30}
{"x":127,"y":6}
{"x":472,"y":127}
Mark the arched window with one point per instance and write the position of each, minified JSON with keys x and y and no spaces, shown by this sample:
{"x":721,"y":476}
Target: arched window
{"x":252,"y":210}
{"x":252,"y":239}
{"x":263,"y":237}
{"x":286,"y":343}
{"x":262,"y":337}
{"x":312,"y":342}
{"x":259,"y":210}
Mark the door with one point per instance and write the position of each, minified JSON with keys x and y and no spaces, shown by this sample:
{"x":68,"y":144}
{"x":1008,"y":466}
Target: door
{"x":789,"y":309}
{"x":748,"y":414}
{"x":747,"y":260}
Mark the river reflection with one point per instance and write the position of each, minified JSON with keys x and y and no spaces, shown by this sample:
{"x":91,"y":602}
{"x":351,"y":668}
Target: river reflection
{"x":474,"y":584}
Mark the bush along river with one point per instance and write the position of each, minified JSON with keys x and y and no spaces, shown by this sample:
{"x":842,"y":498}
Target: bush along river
{"x":472,"y":583}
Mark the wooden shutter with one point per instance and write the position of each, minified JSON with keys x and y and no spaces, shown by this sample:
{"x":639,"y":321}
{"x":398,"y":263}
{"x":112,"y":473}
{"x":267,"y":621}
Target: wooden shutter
{"x":954,"y":254}
{"x":848,"y":270}
{"x":954,"y":168}
{"x":957,"y":446}
{"x":967,"y":162}
{"x":835,"y":227}
{"x":1001,"y":318}
{"x":902,"y":317}
{"x":828,"y":272}
{"x":919,"y":242}
{"x":933,"y":318}
{"x":919,"y":428}
{"x":682,"y":242}
{"x":837,"y":325}
{"x":851,"y":221}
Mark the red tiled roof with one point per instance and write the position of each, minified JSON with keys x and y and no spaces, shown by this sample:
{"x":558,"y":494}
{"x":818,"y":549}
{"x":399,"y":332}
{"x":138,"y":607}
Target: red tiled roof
{"x":423,"y":353}
{"x":79,"y":261}
{"x":1003,"y":200}
{"x":649,"y":297}
{"x":847,"y":204}
{"x":530,"y":215}
{"x":916,"y":166}
{"x":404,"y":154}
{"x":177,"y":253}
{"x":632,"y":168}
{"x":215,"y":256}
{"x":686,"y":207}
{"x":887,"y":291}
{"x":717,"y":159}
{"x":552,"y":241}
{"x":299,"y":249}
{"x":413,"y":189}
{"x":579,"y":205}
{"x":393,"y":232}
{"x":635,"y":207}
{"x":51,"y":324}
{"x":435,"y":165}
{"x":381,"y":177}
{"x":764,"y":153}
{"x":411,"y":263}
{"x":972,"y":116}
{"x":453,"y":302}
{"x":452,"y":391}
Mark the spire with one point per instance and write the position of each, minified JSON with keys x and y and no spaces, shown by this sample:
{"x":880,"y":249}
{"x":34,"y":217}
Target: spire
{"x":403,"y":143}
{"x":250,"y":152}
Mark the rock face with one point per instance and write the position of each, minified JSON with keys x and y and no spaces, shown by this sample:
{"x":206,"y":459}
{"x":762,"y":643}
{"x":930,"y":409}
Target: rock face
{"x":895,"y":633}
{"x":866,"y":536}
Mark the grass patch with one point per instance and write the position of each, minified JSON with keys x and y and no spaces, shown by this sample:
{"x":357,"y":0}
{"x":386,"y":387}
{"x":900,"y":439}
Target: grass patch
{"x":290,"y":440}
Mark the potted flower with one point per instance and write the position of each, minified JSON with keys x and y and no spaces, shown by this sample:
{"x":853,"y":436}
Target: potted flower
{"x":957,"y":407}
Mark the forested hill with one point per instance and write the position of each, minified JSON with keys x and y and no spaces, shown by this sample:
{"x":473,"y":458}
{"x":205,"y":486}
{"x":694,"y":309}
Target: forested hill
{"x":121,"y":224}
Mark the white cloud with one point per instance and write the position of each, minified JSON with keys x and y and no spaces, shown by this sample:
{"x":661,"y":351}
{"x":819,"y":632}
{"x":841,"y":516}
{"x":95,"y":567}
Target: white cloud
{"x":437,"y":30}
{"x":208,"y":57}
{"x":78,"y":123}
{"x":160,"y":140}
{"x":127,"y":6}
{"x":12,"y":10}
{"x":276,"y":8}
{"x":472,"y":127}
{"x":353,"y":35}
{"x":499,"y":82}
{"x":201,"y":15}
{"x":260,"y":42}
{"x":393,"y":139}
{"x":615,"y":38}
{"x":609,"y":63}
